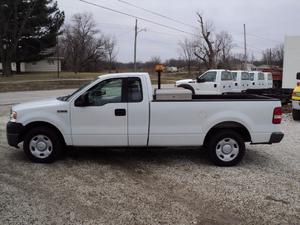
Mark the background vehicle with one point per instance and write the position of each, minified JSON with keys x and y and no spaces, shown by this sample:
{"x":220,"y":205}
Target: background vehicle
{"x":268,"y":80}
{"x":211,"y":82}
{"x":241,"y":80}
{"x":121,"y":110}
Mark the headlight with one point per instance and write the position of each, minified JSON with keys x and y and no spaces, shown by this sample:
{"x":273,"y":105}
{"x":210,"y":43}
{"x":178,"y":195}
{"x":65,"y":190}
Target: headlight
{"x":13,"y":116}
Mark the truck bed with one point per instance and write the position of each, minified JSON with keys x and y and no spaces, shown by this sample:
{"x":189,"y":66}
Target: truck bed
{"x":224,"y":97}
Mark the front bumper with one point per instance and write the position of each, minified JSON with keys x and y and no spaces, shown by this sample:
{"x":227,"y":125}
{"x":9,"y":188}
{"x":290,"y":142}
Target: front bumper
{"x":14,"y":133}
{"x":276,"y":137}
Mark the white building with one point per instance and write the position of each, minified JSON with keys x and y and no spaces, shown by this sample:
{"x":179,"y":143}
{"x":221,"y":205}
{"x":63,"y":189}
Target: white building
{"x":291,"y":62}
{"x":50,"y":64}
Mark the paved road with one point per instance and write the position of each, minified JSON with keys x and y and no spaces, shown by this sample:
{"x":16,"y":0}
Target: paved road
{"x":150,"y":186}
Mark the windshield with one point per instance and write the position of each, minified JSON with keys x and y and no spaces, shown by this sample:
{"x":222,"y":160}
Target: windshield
{"x":68,"y":97}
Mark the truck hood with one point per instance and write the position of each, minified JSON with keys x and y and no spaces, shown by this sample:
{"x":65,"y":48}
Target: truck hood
{"x":185,"y":81}
{"x":47,"y":103}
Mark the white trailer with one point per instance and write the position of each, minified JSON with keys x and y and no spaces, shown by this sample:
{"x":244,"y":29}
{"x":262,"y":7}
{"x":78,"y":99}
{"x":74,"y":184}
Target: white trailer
{"x":291,"y":64}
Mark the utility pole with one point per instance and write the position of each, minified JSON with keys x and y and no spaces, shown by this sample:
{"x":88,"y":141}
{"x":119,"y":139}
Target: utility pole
{"x":135,"y":37}
{"x":245,"y":48}
{"x":135,"y":40}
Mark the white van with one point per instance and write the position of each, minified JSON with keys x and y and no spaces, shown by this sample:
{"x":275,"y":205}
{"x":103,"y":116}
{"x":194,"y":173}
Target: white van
{"x":209,"y":83}
{"x":241,"y":80}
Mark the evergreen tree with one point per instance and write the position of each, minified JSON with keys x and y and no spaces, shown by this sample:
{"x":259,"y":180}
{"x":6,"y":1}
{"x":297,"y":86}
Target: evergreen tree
{"x":27,"y":29}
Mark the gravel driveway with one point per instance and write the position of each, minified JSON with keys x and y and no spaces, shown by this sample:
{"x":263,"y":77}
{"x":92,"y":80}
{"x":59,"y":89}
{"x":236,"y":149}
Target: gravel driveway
{"x":152,"y":186}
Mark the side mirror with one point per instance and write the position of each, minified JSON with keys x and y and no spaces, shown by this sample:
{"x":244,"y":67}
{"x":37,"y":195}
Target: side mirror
{"x":298,"y":76}
{"x":199,"y":80}
{"x":82,"y":100}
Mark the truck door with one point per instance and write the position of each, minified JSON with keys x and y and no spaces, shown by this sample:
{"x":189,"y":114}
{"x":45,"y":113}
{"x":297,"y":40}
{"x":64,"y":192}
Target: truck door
{"x":138,"y":112}
{"x":207,"y":83}
{"x":102,"y":120}
{"x":227,"y":82}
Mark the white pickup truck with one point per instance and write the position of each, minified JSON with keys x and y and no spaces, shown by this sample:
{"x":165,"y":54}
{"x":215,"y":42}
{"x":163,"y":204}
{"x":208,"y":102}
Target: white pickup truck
{"x":121,"y":110}
{"x":211,"y":82}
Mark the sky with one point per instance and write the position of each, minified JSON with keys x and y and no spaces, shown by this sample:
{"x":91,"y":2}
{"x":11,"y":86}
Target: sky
{"x":267,"y":23}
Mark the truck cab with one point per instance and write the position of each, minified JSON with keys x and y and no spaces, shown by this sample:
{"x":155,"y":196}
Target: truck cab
{"x":209,"y":83}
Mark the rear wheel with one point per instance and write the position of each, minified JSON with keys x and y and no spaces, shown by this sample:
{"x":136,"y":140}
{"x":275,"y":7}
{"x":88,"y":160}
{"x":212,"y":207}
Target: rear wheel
{"x":42,"y":145}
{"x":226,"y":148}
{"x":296,"y":114}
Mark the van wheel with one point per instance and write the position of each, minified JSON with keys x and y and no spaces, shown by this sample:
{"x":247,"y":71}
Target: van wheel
{"x":226,"y":148}
{"x":296,"y":114}
{"x":185,"y":86}
{"x":42,"y":145}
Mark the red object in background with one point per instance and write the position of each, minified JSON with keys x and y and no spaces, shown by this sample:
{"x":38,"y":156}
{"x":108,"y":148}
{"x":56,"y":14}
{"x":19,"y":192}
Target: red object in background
{"x":276,"y":73}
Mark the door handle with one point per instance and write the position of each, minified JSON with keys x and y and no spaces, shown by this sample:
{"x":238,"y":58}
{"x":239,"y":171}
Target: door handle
{"x":120,"y":112}
{"x":236,"y":84}
{"x":215,"y":85}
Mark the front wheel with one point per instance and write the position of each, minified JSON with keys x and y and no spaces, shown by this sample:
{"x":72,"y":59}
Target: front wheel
{"x":226,"y":148}
{"x":296,"y":114}
{"x":42,"y":145}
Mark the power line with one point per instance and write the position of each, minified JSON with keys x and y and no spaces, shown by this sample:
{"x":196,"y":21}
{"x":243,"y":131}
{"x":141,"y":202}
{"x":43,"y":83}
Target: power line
{"x":135,"y":17}
{"x":157,"y":14}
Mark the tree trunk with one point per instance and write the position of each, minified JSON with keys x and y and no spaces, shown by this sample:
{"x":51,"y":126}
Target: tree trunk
{"x":18,"y":67}
{"x":6,"y":67}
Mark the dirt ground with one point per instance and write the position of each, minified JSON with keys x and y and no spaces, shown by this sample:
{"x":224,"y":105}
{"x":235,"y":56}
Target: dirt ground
{"x":152,"y":186}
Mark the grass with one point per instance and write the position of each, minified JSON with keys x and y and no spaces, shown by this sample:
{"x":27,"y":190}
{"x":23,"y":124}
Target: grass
{"x":165,"y":78}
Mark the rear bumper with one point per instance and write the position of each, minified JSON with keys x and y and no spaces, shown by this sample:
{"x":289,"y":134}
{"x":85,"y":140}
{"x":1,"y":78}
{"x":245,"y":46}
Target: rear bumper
{"x":13,"y":133}
{"x":276,"y":137}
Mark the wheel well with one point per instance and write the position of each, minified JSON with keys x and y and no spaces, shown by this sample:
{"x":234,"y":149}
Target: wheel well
{"x":187,"y":86}
{"x":237,"y":127}
{"x":42,"y":124}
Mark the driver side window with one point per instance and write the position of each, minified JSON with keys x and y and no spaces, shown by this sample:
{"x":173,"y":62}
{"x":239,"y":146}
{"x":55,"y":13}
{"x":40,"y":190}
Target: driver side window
{"x":107,"y":91}
{"x":208,"y":77}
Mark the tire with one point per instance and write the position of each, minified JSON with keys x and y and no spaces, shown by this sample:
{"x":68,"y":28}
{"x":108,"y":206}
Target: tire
{"x":42,"y":145}
{"x":226,"y":148}
{"x":296,"y":114}
{"x":185,"y":86}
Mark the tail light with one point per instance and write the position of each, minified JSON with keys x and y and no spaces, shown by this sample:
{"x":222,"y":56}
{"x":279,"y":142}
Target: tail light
{"x":277,"y":115}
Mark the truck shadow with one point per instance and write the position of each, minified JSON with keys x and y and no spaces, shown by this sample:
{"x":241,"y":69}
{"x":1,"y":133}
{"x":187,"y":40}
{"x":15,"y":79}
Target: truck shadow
{"x":137,"y":155}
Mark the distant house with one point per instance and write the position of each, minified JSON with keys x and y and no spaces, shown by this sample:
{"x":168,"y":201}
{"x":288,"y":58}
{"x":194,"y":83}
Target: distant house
{"x":50,"y":64}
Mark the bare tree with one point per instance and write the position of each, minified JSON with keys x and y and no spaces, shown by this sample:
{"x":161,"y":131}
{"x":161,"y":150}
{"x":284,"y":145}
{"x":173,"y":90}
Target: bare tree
{"x":83,"y":44}
{"x":273,"y":56}
{"x":110,"y":48}
{"x":226,"y":45}
{"x":187,"y":52}
{"x":207,"y":46}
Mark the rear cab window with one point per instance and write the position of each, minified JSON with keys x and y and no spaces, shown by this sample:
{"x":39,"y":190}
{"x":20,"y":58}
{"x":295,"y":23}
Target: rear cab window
{"x":261,"y":76}
{"x":226,"y":76}
{"x":245,"y":76}
{"x":134,"y":89}
{"x":234,"y":76}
